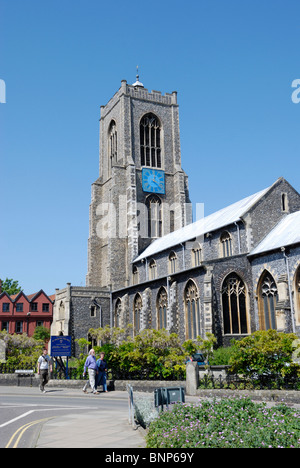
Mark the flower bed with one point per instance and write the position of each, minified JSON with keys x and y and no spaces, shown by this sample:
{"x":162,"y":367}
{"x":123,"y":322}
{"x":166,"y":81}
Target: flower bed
{"x":228,"y":423}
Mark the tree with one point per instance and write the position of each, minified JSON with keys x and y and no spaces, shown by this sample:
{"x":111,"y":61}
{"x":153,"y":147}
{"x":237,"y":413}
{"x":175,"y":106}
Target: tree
{"x":10,"y":286}
{"x":41,"y":334}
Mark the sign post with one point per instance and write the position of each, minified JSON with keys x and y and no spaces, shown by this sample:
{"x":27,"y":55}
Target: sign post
{"x":61,"y":346}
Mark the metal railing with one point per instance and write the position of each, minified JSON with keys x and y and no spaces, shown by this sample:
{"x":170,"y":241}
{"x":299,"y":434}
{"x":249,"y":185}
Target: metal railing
{"x":251,"y":382}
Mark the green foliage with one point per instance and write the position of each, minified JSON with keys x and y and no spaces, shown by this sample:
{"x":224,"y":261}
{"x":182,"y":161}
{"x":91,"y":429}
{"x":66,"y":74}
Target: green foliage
{"x":200,"y":345}
{"x":228,"y":423}
{"x":41,"y":334}
{"x":264,"y":352}
{"x":11,"y":286}
{"x":83,"y":344}
{"x":221,"y":356}
{"x":157,"y":351}
{"x":22,"y":351}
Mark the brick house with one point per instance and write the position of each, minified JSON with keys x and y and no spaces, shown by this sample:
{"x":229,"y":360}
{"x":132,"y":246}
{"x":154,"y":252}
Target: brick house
{"x":21,"y":313}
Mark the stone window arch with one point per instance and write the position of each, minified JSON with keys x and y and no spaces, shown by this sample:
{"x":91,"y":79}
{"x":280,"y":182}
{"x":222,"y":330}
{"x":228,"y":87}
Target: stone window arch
{"x":267,"y":300}
{"x":162,"y":308}
{"x":173,"y":260}
{"x":118,"y":313}
{"x":154,"y":211}
{"x":152,"y":270}
{"x":196,"y":254}
{"x":137,"y":313}
{"x":112,"y":143}
{"x":234,"y":305}
{"x":226,"y":244}
{"x":192,"y":311}
{"x":135,"y":275}
{"x":150,"y":141}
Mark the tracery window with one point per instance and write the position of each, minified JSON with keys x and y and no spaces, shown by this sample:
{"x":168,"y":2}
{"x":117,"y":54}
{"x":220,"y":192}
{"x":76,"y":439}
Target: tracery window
{"x":172,"y":263}
{"x":162,"y":307}
{"x":150,"y":141}
{"x":226,"y":244}
{"x":137,"y":311}
{"x":268,"y":295}
{"x":192,"y":311}
{"x":154,"y":210}
{"x":234,"y":305}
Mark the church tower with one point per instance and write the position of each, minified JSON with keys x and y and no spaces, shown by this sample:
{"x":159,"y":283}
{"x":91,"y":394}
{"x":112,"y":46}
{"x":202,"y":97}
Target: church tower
{"x":142,"y":191}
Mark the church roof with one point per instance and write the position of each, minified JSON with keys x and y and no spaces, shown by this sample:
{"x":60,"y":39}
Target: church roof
{"x":287,"y":232}
{"x":213,"y":222}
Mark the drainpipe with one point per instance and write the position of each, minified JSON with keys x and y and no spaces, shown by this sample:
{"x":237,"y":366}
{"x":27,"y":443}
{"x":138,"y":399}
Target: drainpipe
{"x":239,"y":236}
{"x":289,"y":285}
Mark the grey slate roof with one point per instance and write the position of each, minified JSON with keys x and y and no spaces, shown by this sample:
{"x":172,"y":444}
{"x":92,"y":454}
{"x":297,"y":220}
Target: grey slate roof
{"x":213,"y":222}
{"x":286,"y":233}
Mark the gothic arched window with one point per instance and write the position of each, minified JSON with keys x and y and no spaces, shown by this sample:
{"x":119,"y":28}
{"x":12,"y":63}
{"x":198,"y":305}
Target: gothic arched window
{"x":226,"y":244}
{"x":267,"y":300}
{"x":172,"y":263}
{"x":152,"y":270}
{"x":162,"y":307}
{"x":192,"y":311}
{"x":234,"y":306}
{"x":154,"y":210}
{"x":196,"y":254}
{"x":118,"y":310}
{"x":135,"y":275}
{"x":137,"y":311}
{"x":112,"y":143}
{"x":150,"y":141}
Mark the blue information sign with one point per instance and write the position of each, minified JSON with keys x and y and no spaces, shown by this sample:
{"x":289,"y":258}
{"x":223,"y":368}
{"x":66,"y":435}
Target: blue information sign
{"x":61,"y":346}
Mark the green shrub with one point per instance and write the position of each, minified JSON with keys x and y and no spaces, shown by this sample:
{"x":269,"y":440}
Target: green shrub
{"x":264,"y":352}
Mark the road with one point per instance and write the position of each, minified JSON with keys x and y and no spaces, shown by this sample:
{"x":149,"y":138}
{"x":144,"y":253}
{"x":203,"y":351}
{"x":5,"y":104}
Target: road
{"x":23,"y":411}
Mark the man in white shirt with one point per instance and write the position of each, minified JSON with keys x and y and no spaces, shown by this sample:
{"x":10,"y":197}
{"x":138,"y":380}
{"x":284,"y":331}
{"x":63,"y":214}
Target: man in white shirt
{"x":44,"y":365}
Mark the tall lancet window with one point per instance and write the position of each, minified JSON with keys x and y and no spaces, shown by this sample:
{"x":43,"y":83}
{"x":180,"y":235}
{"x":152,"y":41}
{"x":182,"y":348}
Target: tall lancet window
{"x":153,"y":204}
{"x":150,"y":145}
{"x":137,"y":313}
{"x":162,"y":307}
{"x":113,"y":143}
{"x":192,"y":311}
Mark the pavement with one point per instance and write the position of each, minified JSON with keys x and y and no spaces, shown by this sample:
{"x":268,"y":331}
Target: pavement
{"x":105,"y":425}
{"x":100,"y":428}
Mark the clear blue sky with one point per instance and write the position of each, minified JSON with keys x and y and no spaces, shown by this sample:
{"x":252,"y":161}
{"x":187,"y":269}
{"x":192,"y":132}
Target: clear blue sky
{"x":232,"y":63}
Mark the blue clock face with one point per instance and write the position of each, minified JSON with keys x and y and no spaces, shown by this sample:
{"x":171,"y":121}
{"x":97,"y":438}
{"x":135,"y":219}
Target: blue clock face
{"x":153,"y":180}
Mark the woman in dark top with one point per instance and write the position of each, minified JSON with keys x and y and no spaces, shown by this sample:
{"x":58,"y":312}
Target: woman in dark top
{"x":102,"y":369}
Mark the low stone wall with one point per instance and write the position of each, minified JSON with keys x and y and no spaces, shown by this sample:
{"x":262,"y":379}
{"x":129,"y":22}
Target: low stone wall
{"x":137,"y":385}
{"x":284,"y":396}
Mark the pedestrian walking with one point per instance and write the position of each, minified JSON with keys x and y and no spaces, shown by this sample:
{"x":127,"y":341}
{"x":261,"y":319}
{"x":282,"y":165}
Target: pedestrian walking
{"x":44,"y":365}
{"x":91,"y":366}
{"x":102,"y":369}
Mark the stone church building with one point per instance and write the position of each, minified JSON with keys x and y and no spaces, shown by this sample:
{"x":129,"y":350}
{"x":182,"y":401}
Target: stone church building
{"x":231,"y":273}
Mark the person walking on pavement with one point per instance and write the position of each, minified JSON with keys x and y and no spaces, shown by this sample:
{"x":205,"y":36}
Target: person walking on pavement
{"x":44,"y":365}
{"x":91,"y":366}
{"x":102,"y":369}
